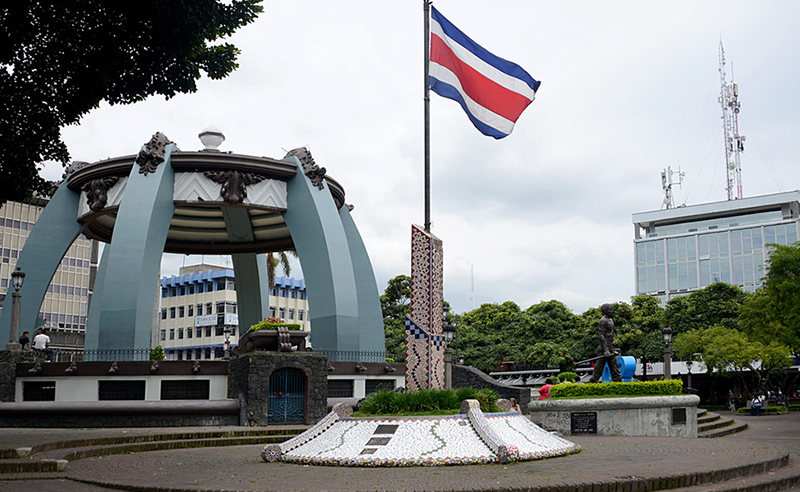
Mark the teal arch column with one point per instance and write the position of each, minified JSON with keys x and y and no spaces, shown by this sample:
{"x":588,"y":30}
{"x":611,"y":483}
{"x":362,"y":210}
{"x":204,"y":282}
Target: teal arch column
{"x":134,"y":257}
{"x":48,"y":242}
{"x":252,"y":291}
{"x":370,"y":316}
{"x":93,"y":322}
{"x":321,"y":244}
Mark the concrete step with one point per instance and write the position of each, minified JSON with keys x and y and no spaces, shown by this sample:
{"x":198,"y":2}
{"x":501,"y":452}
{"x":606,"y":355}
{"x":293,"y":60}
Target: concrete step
{"x":785,"y":478}
{"x":730,"y":427}
{"x":32,"y":466}
{"x":707,"y":417}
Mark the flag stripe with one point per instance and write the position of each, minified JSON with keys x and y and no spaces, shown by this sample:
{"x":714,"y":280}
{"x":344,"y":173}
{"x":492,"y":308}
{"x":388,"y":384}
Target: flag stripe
{"x":492,"y":91}
{"x":476,"y":85}
{"x":509,"y":68}
{"x":446,"y":84}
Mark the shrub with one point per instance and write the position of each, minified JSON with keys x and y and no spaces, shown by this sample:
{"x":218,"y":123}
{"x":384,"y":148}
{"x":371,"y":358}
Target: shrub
{"x":571,"y":376}
{"x":273,"y":324}
{"x":389,"y":402}
{"x":157,"y":353}
{"x":643,"y":388}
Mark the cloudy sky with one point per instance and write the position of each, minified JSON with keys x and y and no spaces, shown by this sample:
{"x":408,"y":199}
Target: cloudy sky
{"x":628,"y":88}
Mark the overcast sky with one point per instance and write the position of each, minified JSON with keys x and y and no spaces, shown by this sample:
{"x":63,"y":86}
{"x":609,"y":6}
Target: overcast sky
{"x":628,"y":88}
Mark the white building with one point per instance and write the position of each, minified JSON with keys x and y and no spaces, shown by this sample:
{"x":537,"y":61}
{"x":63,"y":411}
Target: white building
{"x":199,"y":304}
{"x":678,"y":250}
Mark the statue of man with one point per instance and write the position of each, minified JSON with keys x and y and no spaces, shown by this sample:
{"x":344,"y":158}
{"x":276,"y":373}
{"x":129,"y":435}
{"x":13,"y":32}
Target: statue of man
{"x":605,"y":334}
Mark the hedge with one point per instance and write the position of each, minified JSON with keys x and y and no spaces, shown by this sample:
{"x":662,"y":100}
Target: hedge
{"x":642,"y":388}
{"x":776,"y":409}
{"x":389,"y":402}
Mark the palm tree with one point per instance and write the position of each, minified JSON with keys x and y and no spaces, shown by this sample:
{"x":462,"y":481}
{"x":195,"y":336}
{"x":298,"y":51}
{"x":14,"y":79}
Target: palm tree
{"x":276,"y":259}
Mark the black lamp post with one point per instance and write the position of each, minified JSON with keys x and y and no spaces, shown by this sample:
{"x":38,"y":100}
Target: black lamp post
{"x":666,"y":334}
{"x":17,"y":278}
{"x":449,"y":332}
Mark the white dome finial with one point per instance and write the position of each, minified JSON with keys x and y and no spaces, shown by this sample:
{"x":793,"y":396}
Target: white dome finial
{"x":211,"y":138}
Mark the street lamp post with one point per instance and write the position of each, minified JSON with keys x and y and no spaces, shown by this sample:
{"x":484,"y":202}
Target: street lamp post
{"x":17,"y":278}
{"x":227,"y":333}
{"x":449,"y":332}
{"x":666,"y":334}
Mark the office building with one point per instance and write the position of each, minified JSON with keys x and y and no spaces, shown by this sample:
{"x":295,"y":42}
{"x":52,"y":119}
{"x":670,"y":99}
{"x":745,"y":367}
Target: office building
{"x":65,"y":304}
{"x":678,"y":250}
{"x":199,"y":305}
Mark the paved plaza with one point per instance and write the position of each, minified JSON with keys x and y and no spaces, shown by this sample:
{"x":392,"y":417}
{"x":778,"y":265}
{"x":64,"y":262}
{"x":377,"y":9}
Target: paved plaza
{"x":602,"y":461}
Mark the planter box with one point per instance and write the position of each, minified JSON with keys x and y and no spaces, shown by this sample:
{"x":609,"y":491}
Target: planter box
{"x":662,"y":416}
{"x":269,"y":340}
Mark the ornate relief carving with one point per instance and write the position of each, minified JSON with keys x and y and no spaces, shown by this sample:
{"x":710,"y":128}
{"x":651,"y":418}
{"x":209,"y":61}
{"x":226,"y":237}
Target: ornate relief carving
{"x":74,"y":166}
{"x":97,"y":192}
{"x":315,"y":173}
{"x":152,"y":155}
{"x":234,"y":184}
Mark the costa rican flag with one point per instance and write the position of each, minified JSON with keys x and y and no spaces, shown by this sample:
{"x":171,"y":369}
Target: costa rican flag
{"x":492,"y":91}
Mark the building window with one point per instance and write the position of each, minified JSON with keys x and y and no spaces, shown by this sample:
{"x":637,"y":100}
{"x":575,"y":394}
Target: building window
{"x":220,"y":284}
{"x":283,"y":292}
{"x":188,"y":333}
{"x":121,"y":390}
{"x":220,"y":307}
{"x":230,"y":307}
{"x":172,"y":313}
{"x":302,"y":294}
{"x":219,"y":331}
{"x":291,"y":313}
{"x":39,"y":391}
{"x":185,"y":390}
{"x":293,"y":293}
{"x":163,"y":335}
{"x":180,"y":333}
{"x":172,"y":291}
{"x":275,"y":291}
{"x":282,"y":313}
{"x":199,"y":333}
{"x":190,"y":309}
{"x":300,"y":314}
{"x":172,"y":333}
{"x":164,"y":292}
{"x":340,"y":388}
{"x":208,"y":331}
{"x":230,"y":284}
{"x":200,"y":288}
{"x":181,"y":312}
{"x":191,"y":288}
{"x":164,"y":313}
{"x":208,"y":349}
{"x":199,"y":309}
{"x":272,"y":311}
{"x":198,"y":353}
{"x":182,"y":290}
{"x":208,"y":308}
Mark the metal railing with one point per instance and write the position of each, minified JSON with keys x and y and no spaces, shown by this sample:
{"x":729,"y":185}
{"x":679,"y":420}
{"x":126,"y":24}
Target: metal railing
{"x":362,"y":356}
{"x":93,"y":355}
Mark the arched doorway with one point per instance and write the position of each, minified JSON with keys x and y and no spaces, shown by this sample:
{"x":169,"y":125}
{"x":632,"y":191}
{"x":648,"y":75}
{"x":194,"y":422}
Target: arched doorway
{"x":287,"y":396}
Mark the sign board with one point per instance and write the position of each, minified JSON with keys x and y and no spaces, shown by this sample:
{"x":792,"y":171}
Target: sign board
{"x":211,"y":320}
{"x":583,"y":422}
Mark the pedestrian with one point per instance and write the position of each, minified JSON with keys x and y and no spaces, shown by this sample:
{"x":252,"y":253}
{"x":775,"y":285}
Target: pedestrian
{"x":25,"y":340}
{"x":755,"y":405}
{"x":544,"y":391}
{"x":515,"y":406}
{"x":42,"y":342}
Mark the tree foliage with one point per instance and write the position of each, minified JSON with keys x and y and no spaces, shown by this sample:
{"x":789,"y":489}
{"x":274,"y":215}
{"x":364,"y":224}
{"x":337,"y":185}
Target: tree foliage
{"x":395,"y":304}
{"x":773,"y":313}
{"x":60,"y":58}
{"x":718,"y":304}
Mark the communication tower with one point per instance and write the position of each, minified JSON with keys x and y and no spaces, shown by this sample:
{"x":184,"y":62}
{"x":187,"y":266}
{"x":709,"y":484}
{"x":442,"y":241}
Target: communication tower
{"x":666,"y":185}
{"x":734,"y":143}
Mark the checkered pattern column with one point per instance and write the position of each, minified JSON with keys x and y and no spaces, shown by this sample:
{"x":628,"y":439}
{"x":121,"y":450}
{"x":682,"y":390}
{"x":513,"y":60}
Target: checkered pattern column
{"x":424,"y":346}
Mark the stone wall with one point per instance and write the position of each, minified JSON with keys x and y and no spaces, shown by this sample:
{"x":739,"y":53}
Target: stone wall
{"x":469,"y":377}
{"x":8,"y":371}
{"x":249,"y":383}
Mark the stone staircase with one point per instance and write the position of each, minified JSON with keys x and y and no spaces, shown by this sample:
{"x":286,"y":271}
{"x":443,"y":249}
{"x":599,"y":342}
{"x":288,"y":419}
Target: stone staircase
{"x":711,"y":424}
{"x":52,"y":459}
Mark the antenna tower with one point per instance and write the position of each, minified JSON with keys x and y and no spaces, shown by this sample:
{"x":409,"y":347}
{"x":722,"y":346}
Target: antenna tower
{"x":666,"y":185}
{"x":734,"y":143}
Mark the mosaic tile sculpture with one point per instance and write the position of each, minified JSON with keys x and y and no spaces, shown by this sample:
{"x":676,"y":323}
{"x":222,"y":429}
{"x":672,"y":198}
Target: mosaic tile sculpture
{"x":430,"y":441}
{"x":424,"y":341}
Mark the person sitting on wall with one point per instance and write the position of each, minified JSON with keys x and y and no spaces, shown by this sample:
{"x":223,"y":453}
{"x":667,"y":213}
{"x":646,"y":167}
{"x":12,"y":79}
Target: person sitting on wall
{"x":514,"y":405}
{"x":25,"y":340}
{"x":755,"y":405}
{"x":42,"y":342}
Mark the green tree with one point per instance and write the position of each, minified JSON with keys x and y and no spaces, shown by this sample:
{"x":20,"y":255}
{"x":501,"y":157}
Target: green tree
{"x":484,"y":335}
{"x":724,"y":350}
{"x":60,"y":58}
{"x":279,"y":259}
{"x":773,"y":313}
{"x":718,"y":304}
{"x":395,"y":304}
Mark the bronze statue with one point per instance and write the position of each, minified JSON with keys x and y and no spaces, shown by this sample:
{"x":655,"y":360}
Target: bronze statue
{"x":606,"y":352}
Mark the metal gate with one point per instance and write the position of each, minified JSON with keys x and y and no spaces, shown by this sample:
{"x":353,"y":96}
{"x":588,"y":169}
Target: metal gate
{"x":287,"y":396}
